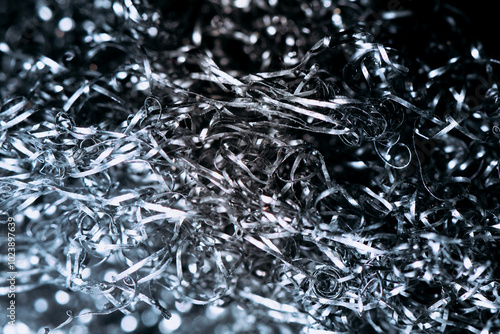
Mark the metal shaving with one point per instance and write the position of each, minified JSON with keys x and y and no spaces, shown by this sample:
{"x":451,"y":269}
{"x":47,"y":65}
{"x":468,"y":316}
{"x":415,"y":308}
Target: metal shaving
{"x":237,"y":166}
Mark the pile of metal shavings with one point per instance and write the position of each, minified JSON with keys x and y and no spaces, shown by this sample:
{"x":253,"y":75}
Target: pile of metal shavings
{"x":237,"y":166}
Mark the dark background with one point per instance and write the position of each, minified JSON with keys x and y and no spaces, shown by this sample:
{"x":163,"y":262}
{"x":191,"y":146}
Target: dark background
{"x":484,"y":21}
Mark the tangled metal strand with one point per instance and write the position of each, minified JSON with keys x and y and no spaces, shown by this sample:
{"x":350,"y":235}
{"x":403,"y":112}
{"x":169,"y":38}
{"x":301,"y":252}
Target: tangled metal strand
{"x":297,"y":163}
